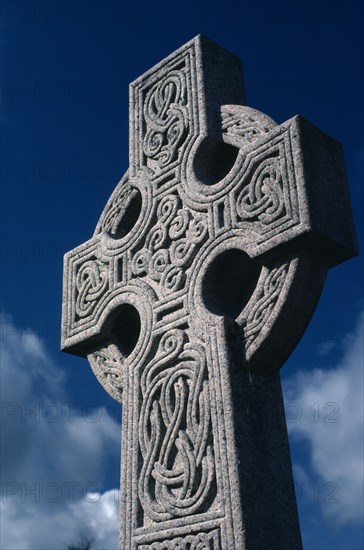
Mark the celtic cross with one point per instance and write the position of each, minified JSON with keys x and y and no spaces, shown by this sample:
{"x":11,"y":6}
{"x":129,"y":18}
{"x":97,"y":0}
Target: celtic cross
{"x":203,"y":272}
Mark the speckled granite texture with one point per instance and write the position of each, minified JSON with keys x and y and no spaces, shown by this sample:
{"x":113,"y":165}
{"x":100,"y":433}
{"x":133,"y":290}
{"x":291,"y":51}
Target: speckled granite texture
{"x":202,"y":274}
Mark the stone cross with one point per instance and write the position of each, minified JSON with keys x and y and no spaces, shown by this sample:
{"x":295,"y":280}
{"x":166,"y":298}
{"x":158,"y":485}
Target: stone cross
{"x":203,"y":272}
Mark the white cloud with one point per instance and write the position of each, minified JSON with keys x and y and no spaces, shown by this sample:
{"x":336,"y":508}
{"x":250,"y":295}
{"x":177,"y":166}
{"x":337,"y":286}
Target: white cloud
{"x":99,"y":514}
{"x":54,"y":454}
{"x":329,"y":408}
{"x":52,"y":471}
{"x":326,"y":347}
{"x":27,"y":526}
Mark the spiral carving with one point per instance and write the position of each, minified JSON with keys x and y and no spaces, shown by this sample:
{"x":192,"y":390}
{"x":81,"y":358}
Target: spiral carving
{"x":170,"y":244}
{"x":157,"y":237}
{"x":140,"y":262}
{"x":158,"y":264}
{"x":179,"y":224}
{"x":167,"y":209}
{"x":173,"y":278}
{"x":197,"y":230}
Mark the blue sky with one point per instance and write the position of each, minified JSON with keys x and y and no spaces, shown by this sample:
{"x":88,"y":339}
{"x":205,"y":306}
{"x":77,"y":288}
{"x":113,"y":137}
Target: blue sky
{"x":66,"y":67}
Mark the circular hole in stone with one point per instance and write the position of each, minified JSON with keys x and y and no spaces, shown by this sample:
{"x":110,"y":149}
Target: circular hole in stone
{"x":213,"y":161}
{"x":229,"y":282}
{"x":127,"y":215}
{"x":123,"y":328}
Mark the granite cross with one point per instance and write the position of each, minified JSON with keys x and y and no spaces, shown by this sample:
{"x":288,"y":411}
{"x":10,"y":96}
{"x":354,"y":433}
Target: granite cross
{"x":203,"y":272}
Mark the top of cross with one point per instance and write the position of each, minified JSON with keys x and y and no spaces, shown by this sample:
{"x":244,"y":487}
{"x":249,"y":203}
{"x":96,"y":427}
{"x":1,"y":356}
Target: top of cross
{"x":208,"y":177}
{"x":178,"y":101}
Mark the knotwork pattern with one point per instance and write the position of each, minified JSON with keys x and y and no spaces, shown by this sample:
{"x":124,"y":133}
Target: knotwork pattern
{"x":166,"y":118}
{"x":244,"y":126}
{"x":116,"y":210}
{"x":178,"y":470}
{"x":91,"y":284}
{"x":201,"y":541}
{"x":265,"y":303}
{"x":107,"y":363}
{"x":262,"y":199}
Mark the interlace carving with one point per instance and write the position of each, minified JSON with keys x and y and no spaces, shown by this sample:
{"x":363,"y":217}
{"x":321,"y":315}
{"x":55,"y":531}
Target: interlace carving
{"x":91,"y":283}
{"x":166,"y":118}
{"x":107,"y":365}
{"x":265,"y":303}
{"x":262,"y":199}
{"x":178,"y":469}
{"x":201,"y":541}
{"x":116,"y":210}
{"x":246,"y":127}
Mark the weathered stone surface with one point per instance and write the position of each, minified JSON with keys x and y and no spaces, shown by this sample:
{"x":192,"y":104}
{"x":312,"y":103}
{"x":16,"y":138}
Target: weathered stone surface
{"x":202,"y":274}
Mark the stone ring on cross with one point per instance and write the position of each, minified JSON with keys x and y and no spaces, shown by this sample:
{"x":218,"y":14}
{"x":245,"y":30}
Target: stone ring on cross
{"x":203,"y":272}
